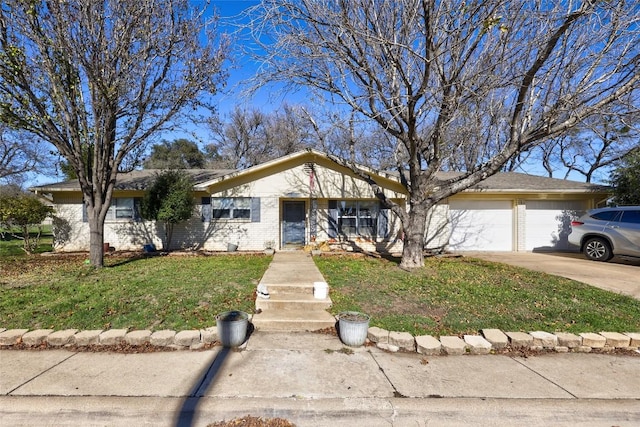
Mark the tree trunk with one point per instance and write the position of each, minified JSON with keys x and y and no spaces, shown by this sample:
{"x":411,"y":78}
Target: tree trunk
{"x":413,"y":250}
{"x":168,"y":227}
{"x":96,"y":239}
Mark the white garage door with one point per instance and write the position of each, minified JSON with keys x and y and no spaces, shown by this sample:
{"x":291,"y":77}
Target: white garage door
{"x":548,"y":222}
{"x":481,"y":225}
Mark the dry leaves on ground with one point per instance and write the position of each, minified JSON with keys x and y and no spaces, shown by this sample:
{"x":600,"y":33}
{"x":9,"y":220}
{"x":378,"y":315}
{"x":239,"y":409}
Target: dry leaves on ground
{"x":248,"y":421}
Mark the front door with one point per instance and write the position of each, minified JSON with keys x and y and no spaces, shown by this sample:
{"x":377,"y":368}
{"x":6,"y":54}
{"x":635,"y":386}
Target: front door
{"x":293,"y":223}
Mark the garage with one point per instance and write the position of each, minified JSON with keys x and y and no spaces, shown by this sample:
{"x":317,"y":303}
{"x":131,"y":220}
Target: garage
{"x":548,"y":222}
{"x":481,"y":225}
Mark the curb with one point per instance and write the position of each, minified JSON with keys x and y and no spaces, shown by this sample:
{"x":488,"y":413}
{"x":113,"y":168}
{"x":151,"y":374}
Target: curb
{"x":487,"y":342}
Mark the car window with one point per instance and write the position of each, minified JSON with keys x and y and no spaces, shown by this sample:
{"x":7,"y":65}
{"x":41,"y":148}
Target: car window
{"x":631,"y":216}
{"x":606,"y":215}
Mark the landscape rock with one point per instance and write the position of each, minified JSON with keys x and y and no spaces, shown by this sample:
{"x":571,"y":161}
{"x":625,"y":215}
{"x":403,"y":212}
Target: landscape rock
{"x":428,"y":345}
{"x":112,"y":336}
{"x":561,"y":349}
{"x":583,"y":349}
{"x":60,"y":338}
{"x":614,"y":339}
{"x":496,"y":337}
{"x":138,"y":337}
{"x":187,"y":338}
{"x":477,"y":344}
{"x":404,"y":340}
{"x":453,"y":345}
{"x":593,"y":340}
{"x":635,"y":338}
{"x":163,"y":338}
{"x":209,"y":335}
{"x":37,"y":337}
{"x":378,"y":335}
{"x":520,"y":339}
{"x":12,"y":336}
{"x":388,"y":347}
{"x":544,"y":339}
{"x":89,"y":337}
{"x":197,"y":346}
{"x":569,"y":340}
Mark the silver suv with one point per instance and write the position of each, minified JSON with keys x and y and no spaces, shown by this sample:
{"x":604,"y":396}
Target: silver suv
{"x":603,"y":233}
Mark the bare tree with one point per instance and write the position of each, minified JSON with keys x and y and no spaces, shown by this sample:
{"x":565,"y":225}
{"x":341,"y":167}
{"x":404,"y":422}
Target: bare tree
{"x":20,"y":153}
{"x":248,"y":137}
{"x":445,"y":77}
{"x":238,"y":141}
{"x":98,"y":78}
{"x":593,"y":148}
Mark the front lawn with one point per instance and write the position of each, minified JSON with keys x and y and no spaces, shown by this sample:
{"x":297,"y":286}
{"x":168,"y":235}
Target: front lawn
{"x":463,"y":295}
{"x":172,"y":292}
{"x":447,"y":296}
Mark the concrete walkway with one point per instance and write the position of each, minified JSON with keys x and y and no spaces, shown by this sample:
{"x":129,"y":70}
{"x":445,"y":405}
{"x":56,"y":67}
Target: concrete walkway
{"x":292,"y":306}
{"x":313,"y":380}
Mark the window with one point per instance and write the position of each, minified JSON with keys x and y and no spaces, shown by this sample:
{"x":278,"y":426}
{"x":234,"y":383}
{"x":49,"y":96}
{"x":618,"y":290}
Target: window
{"x":121,"y":208}
{"x":607,"y":215}
{"x":357,"y":218}
{"x":231,"y":208}
{"x":632,"y":217}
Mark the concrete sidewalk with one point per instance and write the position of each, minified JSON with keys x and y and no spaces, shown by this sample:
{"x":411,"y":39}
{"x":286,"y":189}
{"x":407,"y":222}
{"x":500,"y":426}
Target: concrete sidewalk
{"x":313,"y":380}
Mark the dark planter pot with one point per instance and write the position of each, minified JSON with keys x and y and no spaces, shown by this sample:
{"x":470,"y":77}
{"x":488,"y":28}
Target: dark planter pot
{"x":353,"y":327}
{"x":232,"y":327}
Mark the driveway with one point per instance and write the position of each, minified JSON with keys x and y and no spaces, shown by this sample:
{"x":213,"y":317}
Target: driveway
{"x":619,"y":275}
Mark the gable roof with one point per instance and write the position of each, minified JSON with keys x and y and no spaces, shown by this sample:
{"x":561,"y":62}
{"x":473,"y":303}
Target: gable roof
{"x":502,"y":182}
{"x":307,"y":155}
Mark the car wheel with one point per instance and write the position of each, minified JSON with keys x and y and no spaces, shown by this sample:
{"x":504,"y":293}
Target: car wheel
{"x":597,"y":249}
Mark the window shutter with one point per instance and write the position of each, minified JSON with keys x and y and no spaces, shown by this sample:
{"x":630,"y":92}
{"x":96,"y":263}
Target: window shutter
{"x":85,"y":217}
{"x":332,"y":230}
{"x":206,"y":209}
{"x":136,"y":209}
{"x":255,"y":209}
{"x":383,"y":222}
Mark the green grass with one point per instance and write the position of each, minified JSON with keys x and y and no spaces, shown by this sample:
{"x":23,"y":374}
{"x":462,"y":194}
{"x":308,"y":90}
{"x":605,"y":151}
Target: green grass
{"x":448,"y":296}
{"x":11,"y":246}
{"x":463,"y":295}
{"x":148,"y":293}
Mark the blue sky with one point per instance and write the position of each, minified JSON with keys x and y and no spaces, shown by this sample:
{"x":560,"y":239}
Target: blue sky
{"x":226,"y":100}
{"x":268,"y":99}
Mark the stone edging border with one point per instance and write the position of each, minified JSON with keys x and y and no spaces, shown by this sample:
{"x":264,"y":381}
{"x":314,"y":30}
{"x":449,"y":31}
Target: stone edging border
{"x":491,"y":340}
{"x":488,"y":341}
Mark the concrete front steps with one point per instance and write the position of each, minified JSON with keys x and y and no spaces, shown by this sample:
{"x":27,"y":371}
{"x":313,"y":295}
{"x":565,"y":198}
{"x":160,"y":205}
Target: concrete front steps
{"x":292,"y":320}
{"x":292,"y":308}
{"x":292,"y":305}
{"x":292,"y":298}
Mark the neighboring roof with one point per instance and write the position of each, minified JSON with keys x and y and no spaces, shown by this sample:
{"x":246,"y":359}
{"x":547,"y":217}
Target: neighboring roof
{"x":135,"y":180}
{"x":513,"y":182}
{"x":504,"y":182}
